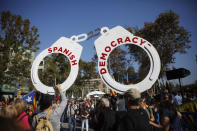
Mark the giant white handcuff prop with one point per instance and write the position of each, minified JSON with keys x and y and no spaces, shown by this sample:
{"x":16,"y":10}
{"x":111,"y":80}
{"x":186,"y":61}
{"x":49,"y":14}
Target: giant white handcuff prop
{"x":109,"y":40}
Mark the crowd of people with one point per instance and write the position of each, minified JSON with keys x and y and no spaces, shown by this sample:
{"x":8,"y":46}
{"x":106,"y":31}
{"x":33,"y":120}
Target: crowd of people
{"x":131,"y":111}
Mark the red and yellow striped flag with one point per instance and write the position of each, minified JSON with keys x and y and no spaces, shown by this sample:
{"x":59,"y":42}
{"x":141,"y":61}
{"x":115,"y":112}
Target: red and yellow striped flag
{"x":112,"y":93}
{"x":34,"y":102}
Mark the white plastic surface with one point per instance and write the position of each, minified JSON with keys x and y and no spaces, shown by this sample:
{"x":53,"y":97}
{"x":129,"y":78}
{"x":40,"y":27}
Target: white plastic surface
{"x":64,"y":46}
{"x":115,"y":37}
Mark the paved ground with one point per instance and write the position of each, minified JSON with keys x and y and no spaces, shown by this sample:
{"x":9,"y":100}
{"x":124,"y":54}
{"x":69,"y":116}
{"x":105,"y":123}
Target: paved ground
{"x":78,"y":126}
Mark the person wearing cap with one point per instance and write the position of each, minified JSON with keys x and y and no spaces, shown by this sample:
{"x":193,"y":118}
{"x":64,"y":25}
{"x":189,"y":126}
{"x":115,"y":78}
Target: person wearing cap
{"x":135,"y":119}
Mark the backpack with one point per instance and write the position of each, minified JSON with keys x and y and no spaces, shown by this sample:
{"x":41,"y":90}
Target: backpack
{"x":30,"y":119}
{"x":43,"y":124}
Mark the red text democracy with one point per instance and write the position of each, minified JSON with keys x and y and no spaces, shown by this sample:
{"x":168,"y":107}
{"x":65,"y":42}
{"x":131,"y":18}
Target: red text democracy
{"x":107,"y":50}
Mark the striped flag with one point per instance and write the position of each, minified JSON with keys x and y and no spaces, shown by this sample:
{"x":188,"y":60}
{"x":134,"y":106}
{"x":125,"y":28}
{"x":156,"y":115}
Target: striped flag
{"x":112,"y":93}
{"x":34,"y":102}
{"x":31,"y":99}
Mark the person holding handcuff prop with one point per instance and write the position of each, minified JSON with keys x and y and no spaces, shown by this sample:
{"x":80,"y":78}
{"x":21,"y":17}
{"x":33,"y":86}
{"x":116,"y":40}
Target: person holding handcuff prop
{"x":46,"y":110}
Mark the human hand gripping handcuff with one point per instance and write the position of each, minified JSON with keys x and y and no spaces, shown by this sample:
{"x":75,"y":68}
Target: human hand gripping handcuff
{"x":105,"y":44}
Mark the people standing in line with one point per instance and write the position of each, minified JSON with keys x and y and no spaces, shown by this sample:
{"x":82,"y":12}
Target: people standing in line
{"x":84,"y":116}
{"x":71,"y":114}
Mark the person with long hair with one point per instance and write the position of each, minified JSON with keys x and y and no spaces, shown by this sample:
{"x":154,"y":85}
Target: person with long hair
{"x":9,"y":112}
{"x":84,"y":116}
{"x":22,"y":116}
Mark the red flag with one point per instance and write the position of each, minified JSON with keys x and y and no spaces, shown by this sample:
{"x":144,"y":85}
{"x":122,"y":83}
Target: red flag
{"x":58,"y":96}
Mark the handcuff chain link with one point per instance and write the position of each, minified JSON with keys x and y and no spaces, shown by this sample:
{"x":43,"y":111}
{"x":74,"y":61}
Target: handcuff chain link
{"x":91,"y":34}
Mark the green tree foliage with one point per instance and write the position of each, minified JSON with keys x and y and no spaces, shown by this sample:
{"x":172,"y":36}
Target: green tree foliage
{"x":144,"y":63}
{"x":56,"y":69}
{"x":117,"y":61}
{"x":131,"y":70}
{"x":17,"y":42}
{"x":167,"y":36}
{"x":120,"y":65}
{"x":87,"y":71}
